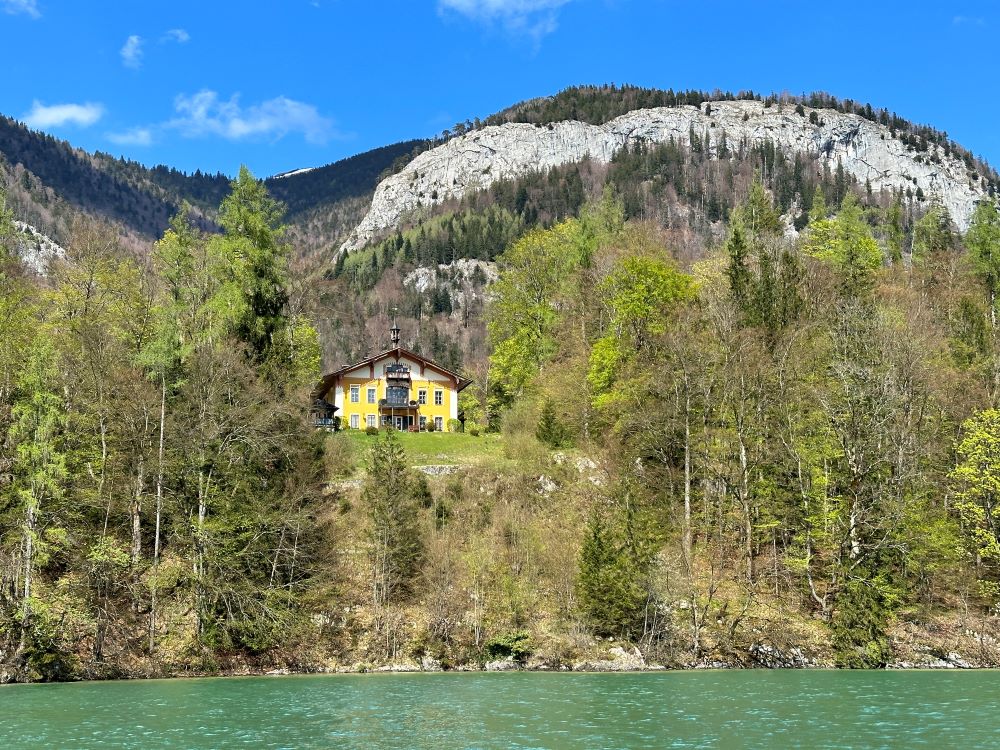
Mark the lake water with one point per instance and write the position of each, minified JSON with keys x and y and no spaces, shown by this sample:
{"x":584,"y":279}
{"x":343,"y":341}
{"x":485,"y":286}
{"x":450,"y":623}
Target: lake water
{"x":704,"y":709}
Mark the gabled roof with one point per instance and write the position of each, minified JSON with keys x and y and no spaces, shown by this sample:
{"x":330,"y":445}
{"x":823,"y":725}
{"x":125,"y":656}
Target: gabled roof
{"x":330,"y":379}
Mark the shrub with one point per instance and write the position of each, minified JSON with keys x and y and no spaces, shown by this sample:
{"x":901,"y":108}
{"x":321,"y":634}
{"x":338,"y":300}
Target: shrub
{"x":442,"y":514}
{"x":474,"y":431}
{"x":454,"y":425}
{"x":422,"y":491}
{"x":430,"y":425}
{"x":371,"y":430}
{"x":339,"y":455}
{"x":515,"y":645}
{"x":550,"y":430}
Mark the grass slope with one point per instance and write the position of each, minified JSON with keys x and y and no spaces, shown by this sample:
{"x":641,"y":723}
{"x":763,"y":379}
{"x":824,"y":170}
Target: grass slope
{"x":446,"y":448}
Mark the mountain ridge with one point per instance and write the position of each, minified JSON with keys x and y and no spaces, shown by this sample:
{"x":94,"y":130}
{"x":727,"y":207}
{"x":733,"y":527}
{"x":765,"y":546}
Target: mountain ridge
{"x":867,"y":149}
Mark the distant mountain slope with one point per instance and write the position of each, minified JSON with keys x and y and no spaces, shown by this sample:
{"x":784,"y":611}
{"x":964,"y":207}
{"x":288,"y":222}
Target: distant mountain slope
{"x":305,"y":189}
{"x":44,"y":171}
{"x":873,"y":153}
{"x":97,"y":184}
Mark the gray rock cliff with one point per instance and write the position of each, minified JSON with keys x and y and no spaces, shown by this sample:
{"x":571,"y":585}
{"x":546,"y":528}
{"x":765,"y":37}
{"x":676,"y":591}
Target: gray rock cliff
{"x":477,"y":159}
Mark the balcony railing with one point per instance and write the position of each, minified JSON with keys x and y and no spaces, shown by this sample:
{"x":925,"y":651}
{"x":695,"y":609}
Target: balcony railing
{"x":397,"y":403}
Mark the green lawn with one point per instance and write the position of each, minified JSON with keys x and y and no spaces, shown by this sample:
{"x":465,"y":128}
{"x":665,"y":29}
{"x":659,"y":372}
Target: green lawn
{"x":438,"y":447}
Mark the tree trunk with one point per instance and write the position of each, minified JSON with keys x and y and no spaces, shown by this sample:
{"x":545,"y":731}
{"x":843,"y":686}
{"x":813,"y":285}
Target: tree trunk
{"x":159,"y":512}
{"x":747,"y":515}
{"x":687,"y":481}
{"x":136,"y":513}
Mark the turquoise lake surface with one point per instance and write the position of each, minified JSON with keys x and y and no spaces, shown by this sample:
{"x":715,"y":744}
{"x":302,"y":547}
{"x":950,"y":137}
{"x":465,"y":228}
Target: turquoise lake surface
{"x":698,"y":709}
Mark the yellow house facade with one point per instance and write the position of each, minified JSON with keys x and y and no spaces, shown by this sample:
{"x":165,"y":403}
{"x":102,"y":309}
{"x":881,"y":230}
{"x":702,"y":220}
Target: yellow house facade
{"x":397,"y":388}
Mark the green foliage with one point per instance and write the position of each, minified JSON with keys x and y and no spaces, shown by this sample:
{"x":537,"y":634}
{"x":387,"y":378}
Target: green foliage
{"x":864,"y":610}
{"x":47,"y":654}
{"x":846,"y":242}
{"x":550,"y":430}
{"x":768,"y":297}
{"x":765,"y":276}
{"x":391,"y":496}
{"x":894,"y":229}
{"x":756,"y":216}
{"x":933,"y":235}
{"x":983,"y":242}
{"x":641,"y":295}
{"x":977,"y":485}
{"x":614,"y":565}
{"x":534,"y":275}
{"x":515,"y":645}
{"x":819,"y":211}
{"x":256,"y":261}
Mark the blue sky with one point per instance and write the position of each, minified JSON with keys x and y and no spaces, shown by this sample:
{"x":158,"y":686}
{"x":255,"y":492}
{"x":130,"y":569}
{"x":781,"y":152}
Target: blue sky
{"x":294,"y":83}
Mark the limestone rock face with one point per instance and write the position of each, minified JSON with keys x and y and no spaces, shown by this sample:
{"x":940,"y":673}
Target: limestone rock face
{"x":477,"y":159}
{"x":456,"y":277}
{"x":35,"y":248}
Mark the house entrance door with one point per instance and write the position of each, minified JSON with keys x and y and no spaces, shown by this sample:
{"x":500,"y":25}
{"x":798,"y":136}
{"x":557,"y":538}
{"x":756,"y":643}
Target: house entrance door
{"x":399,"y":423}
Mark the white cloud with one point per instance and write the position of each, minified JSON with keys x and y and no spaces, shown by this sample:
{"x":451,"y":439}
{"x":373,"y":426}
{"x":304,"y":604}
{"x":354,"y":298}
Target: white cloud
{"x":968,"y":21}
{"x":177,"y":35}
{"x":205,"y":113}
{"x":132,"y":137}
{"x":533,"y":17}
{"x":55,"y":115}
{"x":27,"y":7}
{"x":131,"y":52}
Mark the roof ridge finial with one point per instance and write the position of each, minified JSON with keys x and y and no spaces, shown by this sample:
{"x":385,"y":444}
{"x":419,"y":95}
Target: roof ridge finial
{"x":394,"y":331}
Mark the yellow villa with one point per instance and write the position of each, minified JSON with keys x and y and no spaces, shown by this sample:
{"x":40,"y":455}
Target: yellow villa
{"x":397,"y":388}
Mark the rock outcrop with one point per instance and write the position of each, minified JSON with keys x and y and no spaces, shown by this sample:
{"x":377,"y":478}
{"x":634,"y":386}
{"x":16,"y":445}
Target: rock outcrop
{"x":36,"y":249}
{"x":477,"y":159}
{"x":620,"y":661}
{"x":457,"y":278}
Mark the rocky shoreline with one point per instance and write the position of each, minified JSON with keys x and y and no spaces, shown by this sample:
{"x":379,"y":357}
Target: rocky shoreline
{"x":612,"y":657}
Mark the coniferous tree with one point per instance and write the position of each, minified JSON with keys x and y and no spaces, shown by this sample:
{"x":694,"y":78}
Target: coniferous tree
{"x":933,"y":235}
{"x":390,"y":495}
{"x":610,"y":586}
{"x":550,"y":430}
{"x":983,"y":242}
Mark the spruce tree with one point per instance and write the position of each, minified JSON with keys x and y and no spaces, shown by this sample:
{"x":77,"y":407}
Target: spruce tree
{"x":257,"y":260}
{"x":550,"y":430}
{"x":819,"y":211}
{"x":610,"y":584}
{"x":391,"y":496}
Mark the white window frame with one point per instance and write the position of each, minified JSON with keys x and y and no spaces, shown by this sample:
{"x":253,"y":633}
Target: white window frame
{"x":423,"y":422}
{"x":371,"y":421}
{"x":371,"y":395}
{"x":422,"y":396}
{"x":438,"y":397}
{"x":355,"y":394}
{"x":355,"y":422}
{"x":439,"y":424}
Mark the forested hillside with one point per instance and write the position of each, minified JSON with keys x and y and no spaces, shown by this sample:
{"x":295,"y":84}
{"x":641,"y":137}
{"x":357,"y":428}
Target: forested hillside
{"x":49,"y":182}
{"x":778,"y":452}
{"x":729,"y":409}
